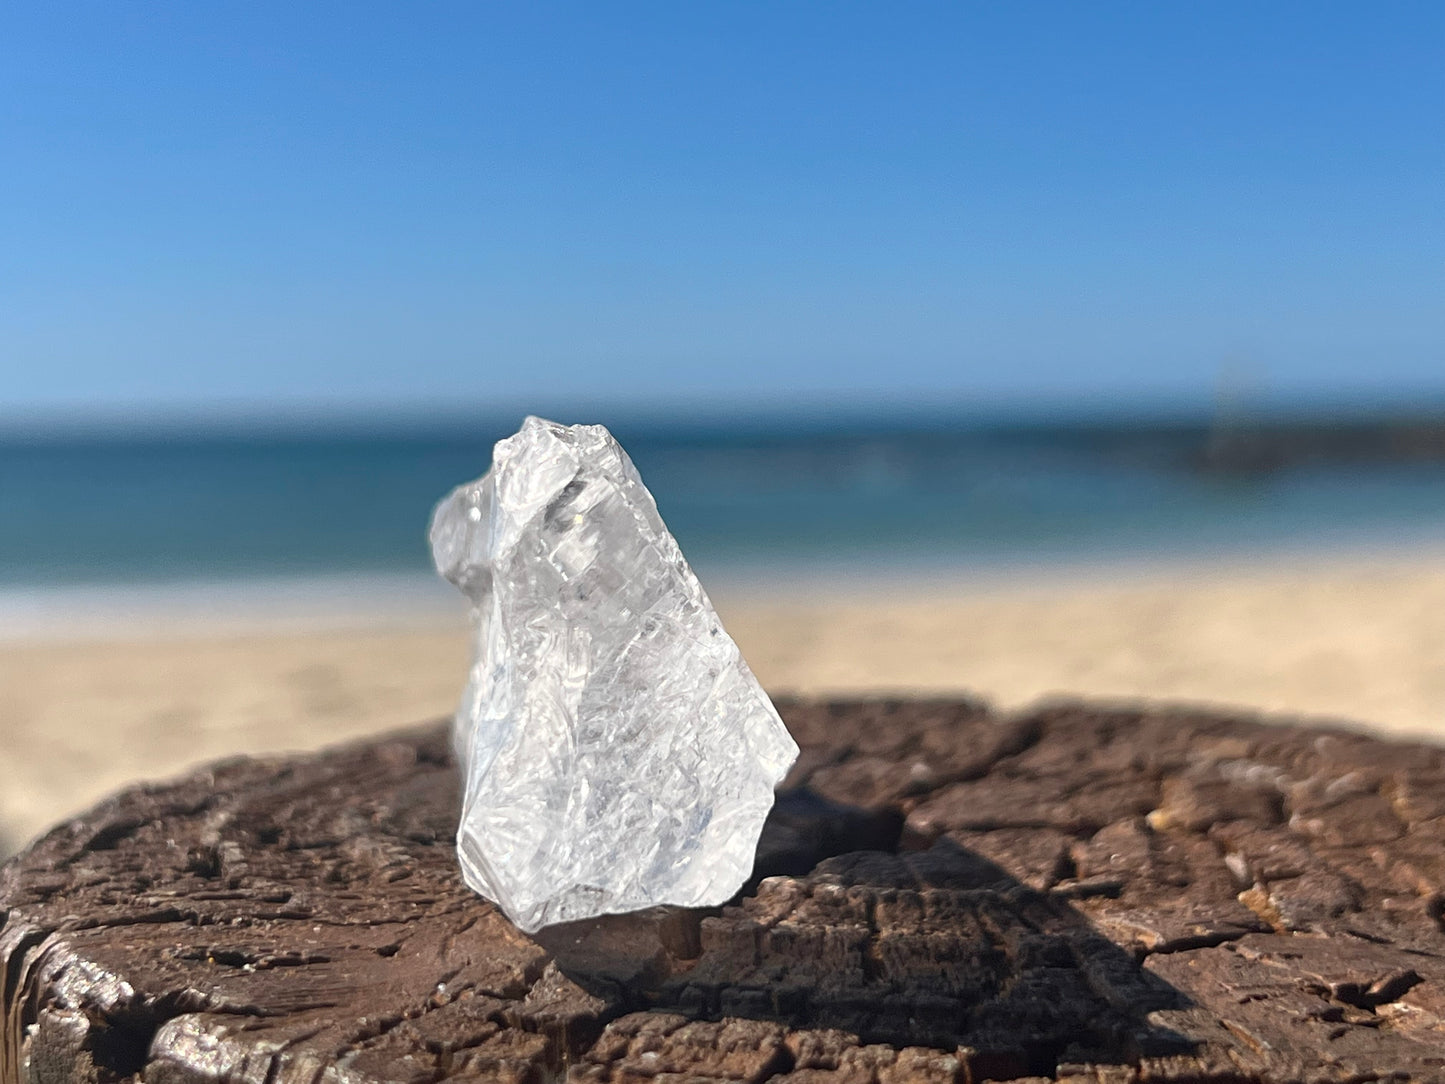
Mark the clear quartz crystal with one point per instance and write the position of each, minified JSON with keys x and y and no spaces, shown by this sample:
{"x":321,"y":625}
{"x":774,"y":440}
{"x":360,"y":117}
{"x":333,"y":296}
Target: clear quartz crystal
{"x":618,"y":753}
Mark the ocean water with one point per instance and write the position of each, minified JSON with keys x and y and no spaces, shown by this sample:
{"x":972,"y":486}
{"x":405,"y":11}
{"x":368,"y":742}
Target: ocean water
{"x":781,"y":500}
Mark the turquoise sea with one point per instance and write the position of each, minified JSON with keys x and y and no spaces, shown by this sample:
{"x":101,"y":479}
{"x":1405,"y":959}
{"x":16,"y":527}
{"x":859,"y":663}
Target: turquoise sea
{"x":178,"y":505}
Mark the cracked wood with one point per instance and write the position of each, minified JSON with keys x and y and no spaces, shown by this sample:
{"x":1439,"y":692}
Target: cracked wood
{"x":942,"y":894}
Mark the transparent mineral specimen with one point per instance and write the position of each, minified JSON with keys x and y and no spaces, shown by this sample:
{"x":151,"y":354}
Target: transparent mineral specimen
{"x":618,"y":752}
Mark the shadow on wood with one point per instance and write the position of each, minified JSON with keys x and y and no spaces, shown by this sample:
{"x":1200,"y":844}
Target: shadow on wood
{"x":938,"y":948}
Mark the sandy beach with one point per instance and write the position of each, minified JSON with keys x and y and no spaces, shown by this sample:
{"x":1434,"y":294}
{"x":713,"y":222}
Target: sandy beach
{"x":1359,"y":639}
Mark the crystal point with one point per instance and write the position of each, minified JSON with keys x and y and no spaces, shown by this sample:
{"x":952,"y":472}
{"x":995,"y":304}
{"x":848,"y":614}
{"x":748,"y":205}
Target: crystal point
{"x":617,"y":751}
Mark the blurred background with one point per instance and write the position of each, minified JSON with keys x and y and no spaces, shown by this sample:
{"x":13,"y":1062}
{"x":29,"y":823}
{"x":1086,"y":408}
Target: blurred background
{"x":1024,"y":350}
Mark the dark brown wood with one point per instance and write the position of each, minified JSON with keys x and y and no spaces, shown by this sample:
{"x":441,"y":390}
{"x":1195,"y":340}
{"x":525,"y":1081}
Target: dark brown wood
{"x":943,"y":894}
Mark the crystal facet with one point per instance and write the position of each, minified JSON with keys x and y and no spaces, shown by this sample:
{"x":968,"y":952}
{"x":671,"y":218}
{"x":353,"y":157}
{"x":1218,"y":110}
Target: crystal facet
{"x":618,"y":752}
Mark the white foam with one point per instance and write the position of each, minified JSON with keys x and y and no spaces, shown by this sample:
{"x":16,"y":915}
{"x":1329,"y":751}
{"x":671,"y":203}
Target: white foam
{"x":205,"y":607}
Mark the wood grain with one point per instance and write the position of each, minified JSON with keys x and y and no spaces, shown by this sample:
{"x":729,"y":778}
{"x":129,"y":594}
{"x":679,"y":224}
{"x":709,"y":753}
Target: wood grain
{"x":943,"y":894}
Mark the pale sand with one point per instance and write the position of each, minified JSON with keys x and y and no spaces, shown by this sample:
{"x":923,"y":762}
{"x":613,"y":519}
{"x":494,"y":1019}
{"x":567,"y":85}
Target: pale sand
{"x":1360,"y":640}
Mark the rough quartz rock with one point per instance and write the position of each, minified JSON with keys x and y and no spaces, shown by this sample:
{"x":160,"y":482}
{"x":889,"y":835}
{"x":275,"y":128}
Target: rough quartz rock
{"x":618,"y":752}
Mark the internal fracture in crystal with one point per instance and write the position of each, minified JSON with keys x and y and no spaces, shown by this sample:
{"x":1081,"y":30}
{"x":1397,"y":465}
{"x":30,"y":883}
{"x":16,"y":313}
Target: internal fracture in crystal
{"x":617,"y":751}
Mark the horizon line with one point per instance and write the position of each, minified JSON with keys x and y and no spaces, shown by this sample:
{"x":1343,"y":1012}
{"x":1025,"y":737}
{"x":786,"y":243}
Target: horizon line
{"x":710,"y":412}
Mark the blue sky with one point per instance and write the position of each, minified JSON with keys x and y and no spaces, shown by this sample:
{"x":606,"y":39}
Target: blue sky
{"x":360,"y":206}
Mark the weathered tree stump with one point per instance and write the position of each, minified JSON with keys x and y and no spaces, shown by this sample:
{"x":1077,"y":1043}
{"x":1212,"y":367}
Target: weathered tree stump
{"x":945,"y":895}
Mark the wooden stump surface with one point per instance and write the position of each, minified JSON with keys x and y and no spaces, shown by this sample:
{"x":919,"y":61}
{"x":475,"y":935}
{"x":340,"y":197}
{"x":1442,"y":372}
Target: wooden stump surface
{"x":942,"y":895}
